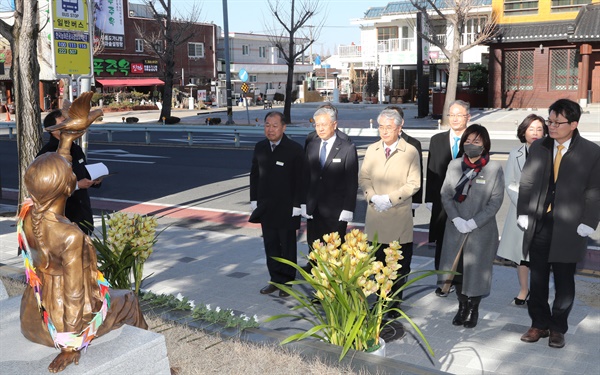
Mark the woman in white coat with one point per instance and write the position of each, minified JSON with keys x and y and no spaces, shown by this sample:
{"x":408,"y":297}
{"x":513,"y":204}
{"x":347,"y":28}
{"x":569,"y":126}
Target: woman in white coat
{"x":532,"y":128}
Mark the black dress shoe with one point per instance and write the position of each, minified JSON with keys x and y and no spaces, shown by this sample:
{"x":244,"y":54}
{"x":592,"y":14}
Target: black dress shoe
{"x":534,"y":334}
{"x":521,"y":302}
{"x":283,"y":294}
{"x":557,"y":340}
{"x":268,"y":289}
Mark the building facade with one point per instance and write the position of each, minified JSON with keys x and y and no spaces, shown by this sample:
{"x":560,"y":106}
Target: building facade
{"x":266,"y":68}
{"x":545,"y":50}
{"x":389,"y":45}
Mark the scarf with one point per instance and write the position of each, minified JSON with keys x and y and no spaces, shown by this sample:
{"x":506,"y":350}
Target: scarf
{"x":469,"y":172}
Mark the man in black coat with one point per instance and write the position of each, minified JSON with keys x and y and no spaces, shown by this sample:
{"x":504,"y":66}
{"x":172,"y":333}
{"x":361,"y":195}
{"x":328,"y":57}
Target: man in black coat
{"x":443,"y":147}
{"x":559,"y":208}
{"x":275,"y":197}
{"x":78,"y":208}
{"x":330,"y":178}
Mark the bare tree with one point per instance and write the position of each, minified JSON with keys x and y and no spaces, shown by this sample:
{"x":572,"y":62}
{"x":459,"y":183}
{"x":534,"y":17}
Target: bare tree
{"x":25,"y":72}
{"x":292,"y":35}
{"x":162,"y":37}
{"x":455,"y":14}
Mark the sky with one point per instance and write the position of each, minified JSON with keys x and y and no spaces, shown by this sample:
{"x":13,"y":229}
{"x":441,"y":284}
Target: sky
{"x":249,"y":15}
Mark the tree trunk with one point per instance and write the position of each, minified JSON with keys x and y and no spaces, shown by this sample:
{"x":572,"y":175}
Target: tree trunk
{"x":25,"y":73}
{"x":287,"y":107}
{"x":451,"y":86}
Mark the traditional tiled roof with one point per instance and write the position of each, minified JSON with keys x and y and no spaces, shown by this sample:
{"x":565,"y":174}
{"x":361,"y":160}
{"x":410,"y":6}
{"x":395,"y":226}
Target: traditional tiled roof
{"x":533,"y":32}
{"x":587,"y":25}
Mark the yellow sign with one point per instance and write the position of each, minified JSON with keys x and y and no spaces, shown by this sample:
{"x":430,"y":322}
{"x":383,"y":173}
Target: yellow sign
{"x":71,"y":37}
{"x":244,"y":87}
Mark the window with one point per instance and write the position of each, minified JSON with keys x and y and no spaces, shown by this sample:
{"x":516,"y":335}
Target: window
{"x":139,"y":45}
{"x":252,"y":78}
{"x":262,"y":51}
{"x":195,"y":50}
{"x":518,"y":70}
{"x":472,"y":29}
{"x":563,"y":69}
{"x":158,"y":46}
{"x":385,"y":33}
{"x":520,"y":7}
{"x":245,"y":50}
{"x":568,"y":5}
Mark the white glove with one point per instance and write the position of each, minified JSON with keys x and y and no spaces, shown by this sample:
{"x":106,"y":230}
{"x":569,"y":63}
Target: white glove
{"x":429,"y":205}
{"x":461,"y":225}
{"x":253,"y":205}
{"x":381,"y":202}
{"x":415,"y":206}
{"x":346,"y":216}
{"x":303,"y":212}
{"x":584,"y":230}
{"x":523,"y":221}
{"x":471,"y":224}
{"x":296,"y":211}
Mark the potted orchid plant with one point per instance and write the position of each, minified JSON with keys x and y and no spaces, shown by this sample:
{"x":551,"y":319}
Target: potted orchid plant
{"x":351,"y":292}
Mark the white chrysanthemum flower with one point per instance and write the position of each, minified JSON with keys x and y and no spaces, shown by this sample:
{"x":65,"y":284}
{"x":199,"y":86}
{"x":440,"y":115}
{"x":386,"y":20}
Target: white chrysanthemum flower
{"x":208,"y":307}
{"x":192,"y":304}
{"x":179,"y":297}
{"x":255,"y":318}
{"x":218,"y":309}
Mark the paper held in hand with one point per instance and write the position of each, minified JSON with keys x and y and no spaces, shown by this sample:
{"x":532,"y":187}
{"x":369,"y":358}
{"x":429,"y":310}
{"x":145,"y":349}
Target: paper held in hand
{"x":97,"y":171}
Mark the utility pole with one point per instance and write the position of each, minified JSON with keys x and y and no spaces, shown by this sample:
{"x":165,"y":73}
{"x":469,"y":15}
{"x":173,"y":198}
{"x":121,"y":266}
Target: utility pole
{"x":227,"y":68}
{"x":422,"y":78}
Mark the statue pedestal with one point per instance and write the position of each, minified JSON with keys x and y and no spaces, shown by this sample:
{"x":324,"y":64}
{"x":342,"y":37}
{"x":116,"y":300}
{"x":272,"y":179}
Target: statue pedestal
{"x":127,"y":350}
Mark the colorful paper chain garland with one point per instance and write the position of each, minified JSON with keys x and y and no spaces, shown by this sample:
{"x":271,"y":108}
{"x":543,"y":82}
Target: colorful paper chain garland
{"x":61,"y":340}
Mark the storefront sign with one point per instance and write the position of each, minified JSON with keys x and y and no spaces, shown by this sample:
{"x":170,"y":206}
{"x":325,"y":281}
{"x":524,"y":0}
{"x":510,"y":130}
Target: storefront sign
{"x":112,"y":66}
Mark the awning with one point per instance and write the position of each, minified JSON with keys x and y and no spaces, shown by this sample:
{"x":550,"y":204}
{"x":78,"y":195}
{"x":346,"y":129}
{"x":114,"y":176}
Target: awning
{"x":130,"y":82}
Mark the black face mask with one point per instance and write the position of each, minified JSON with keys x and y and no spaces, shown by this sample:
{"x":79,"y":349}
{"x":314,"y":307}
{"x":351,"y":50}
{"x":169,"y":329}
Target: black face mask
{"x":472,"y":150}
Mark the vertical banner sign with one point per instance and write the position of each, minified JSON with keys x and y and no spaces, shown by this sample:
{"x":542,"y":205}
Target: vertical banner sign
{"x":71,"y":37}
{"x":425,"y":44}
{"x":109,"y":22}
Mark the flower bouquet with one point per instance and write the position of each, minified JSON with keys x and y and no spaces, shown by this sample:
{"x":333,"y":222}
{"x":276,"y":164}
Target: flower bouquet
{"x":125,"y":243}
{"x":352,"y":292}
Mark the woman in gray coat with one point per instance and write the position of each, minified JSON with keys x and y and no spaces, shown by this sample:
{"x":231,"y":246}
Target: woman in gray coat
{"x":531,"y":129}
{"x":472,"y":194}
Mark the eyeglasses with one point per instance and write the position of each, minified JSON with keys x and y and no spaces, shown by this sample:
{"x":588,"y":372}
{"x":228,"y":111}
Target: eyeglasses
{"x":387,"y":128}
{"x":453,"y":115}
{"x":556,"y":124}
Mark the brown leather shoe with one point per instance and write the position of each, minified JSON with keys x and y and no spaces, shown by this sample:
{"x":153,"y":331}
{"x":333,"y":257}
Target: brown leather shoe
{"x":534,"y":334}
{"x":557,"y":340}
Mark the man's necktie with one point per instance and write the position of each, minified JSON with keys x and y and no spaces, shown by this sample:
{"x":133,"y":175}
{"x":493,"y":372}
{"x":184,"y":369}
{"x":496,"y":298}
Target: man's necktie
{"x":557,"y":160}
{"x":273,"y":145}
{"x":387,"y":152}
{"x":455,"y":147}
{"x":323,"y":154}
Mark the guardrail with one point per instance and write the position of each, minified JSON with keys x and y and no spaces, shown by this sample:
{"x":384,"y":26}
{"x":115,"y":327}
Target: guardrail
{"x":238,"y":130}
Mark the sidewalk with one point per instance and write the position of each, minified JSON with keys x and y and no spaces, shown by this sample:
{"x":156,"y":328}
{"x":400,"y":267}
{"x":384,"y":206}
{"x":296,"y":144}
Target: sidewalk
{"x":220,"y":269}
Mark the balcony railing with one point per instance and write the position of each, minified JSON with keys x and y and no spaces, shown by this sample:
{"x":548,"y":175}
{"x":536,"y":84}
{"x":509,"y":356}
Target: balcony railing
{"x":349,"y":51}
{"x":395,"y":45}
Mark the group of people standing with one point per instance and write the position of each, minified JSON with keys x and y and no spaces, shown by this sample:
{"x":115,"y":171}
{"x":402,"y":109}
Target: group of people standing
{"x":546,"y":229}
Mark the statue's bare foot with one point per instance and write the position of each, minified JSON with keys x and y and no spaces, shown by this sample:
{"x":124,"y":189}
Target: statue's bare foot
{"x":64,"y":359}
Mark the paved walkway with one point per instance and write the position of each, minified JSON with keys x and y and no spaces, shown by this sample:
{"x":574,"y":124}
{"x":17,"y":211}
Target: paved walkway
{"x":211,"y":265}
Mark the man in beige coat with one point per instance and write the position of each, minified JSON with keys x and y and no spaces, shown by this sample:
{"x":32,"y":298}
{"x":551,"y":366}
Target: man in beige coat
{"x":390,"y":175}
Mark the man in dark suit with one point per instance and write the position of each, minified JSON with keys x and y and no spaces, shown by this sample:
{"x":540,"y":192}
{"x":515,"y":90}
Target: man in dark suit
{"x":443,"y":147}
{"x":330,"y":178}
{"x":558,"y":207}
{"x":78,"y":208}
{"x":275,"y":197}
{"x":417,"y":199}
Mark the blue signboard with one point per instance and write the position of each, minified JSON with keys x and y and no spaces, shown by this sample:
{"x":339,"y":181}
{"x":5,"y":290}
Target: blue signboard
{"x":243,"y":74}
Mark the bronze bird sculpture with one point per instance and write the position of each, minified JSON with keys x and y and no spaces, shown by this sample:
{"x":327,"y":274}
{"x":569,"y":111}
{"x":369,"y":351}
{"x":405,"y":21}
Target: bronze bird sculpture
{"x":80,"y":117}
